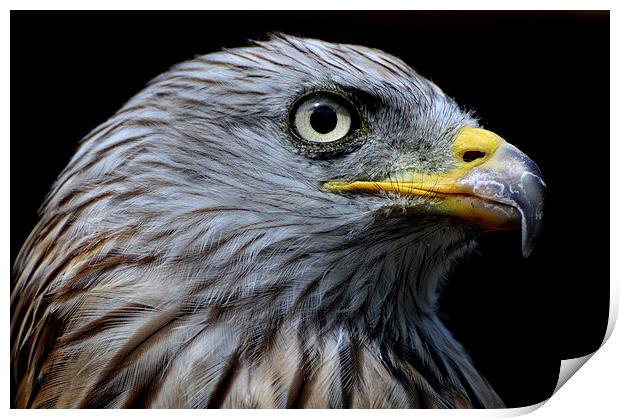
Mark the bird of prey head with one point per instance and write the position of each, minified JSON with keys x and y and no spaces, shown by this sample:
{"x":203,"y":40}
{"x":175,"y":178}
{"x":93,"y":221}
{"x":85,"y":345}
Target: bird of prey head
{"x":265,"y":227}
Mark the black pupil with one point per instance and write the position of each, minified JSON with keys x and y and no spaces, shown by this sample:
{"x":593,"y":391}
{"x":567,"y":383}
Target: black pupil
{"x":323,"y":119}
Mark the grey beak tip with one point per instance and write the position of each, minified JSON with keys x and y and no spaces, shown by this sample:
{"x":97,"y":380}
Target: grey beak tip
{"x":530,"y":201}
{"x":531,"y":224}
{"x":526,"y":249}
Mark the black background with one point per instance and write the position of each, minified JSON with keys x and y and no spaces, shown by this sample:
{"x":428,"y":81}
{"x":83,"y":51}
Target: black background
{"x":539,"y":79}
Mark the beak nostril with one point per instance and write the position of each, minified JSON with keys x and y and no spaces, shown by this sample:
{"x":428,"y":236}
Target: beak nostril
{"x":470,"y":156}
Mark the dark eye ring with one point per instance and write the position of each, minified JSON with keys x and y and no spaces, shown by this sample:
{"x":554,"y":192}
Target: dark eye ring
{"x":323,"y":118}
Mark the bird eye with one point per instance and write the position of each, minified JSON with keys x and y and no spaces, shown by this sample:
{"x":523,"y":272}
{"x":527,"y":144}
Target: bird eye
{"x":323,"y":118}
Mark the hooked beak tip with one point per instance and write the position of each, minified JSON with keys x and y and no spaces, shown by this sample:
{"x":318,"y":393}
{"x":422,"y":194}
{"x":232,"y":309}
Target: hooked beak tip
{"x":531,"y":206}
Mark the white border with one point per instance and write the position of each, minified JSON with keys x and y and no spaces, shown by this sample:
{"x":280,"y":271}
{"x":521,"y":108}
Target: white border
{"x":594,"y":393}
{"x":314,"y":5}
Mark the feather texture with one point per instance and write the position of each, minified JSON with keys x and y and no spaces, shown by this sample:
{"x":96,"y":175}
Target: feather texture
{"x":188,"y":257}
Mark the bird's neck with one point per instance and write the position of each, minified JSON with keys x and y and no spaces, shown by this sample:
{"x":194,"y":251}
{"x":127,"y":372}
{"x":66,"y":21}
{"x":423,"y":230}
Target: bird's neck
{"x":387,"y":279}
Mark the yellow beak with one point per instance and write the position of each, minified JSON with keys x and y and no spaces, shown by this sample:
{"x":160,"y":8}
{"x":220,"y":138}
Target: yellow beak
{"x":493,"y":184}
